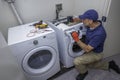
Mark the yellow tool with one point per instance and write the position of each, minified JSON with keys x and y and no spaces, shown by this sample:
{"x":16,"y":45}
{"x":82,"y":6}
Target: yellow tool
{"x":41,"y":26}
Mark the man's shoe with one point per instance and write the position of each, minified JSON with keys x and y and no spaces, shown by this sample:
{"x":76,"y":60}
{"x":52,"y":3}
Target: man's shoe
{"x":81,"y":76}
{"x":114,"y":66}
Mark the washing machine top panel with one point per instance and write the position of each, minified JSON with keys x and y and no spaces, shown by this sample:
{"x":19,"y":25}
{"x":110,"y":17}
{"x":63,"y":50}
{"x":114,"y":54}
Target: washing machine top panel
{"x":64,"y":27}
{"x":26,"y":32}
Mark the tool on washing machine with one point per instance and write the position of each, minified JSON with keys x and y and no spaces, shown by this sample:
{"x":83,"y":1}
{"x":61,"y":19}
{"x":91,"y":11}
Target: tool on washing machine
{"x":69,"y":18}
{"x":75,"y":36}
{"x":40,"y":25}
{"x":69,"y":33}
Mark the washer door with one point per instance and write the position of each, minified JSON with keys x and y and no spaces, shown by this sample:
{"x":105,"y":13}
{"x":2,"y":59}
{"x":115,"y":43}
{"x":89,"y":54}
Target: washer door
{"x":74,"y":49}
{"x":39,"y":60}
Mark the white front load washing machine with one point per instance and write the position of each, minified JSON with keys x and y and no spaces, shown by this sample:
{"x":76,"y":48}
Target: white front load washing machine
{"x":68,"y":48}
{"x":36,"y":51}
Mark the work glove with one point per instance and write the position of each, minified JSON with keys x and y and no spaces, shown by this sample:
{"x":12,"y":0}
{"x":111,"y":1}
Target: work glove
{"x":75,"y":36}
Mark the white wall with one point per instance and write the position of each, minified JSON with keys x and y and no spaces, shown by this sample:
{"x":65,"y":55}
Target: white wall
{"x":31,"y":10}
{"x":7,"y":18}
{"x":112,"y":26}
{"x":82,"y":5}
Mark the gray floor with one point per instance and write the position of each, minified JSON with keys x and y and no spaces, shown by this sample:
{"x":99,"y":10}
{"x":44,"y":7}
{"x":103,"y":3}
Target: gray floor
{"x":94,"y":74}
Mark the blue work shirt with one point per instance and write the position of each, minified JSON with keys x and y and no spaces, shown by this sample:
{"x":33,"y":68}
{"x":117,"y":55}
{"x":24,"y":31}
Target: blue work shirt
{"x":96,"y":38}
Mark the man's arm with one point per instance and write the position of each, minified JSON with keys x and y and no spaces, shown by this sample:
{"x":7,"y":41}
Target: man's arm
{"x":86,"y":48}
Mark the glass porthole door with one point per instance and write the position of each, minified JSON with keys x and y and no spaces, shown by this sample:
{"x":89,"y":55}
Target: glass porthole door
{"x":39,"y":60}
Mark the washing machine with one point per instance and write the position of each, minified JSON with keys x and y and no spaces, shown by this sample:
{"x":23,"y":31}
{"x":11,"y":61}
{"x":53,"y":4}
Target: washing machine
{"x":68,"y":48}
{"x":36,"y":50}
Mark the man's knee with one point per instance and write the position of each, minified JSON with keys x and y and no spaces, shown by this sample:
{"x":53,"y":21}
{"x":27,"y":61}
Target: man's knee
{"x":78,"y":61}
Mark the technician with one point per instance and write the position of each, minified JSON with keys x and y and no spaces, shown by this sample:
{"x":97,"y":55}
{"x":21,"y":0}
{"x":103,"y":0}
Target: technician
{"x":93,"y":46}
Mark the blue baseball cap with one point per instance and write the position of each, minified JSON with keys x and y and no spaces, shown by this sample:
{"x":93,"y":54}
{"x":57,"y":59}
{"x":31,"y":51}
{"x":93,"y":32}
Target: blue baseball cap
{"x":90,"y":14}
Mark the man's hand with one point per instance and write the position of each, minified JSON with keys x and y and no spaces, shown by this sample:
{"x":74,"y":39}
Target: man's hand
{"x":75,"y":36}
{"x":76,"y":20}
